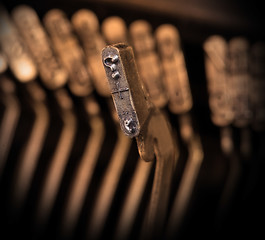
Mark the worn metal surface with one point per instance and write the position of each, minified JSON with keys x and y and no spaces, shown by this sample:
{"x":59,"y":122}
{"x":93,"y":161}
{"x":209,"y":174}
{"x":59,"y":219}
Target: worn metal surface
{"x":127,"y":93}
{"x":152,"y":130}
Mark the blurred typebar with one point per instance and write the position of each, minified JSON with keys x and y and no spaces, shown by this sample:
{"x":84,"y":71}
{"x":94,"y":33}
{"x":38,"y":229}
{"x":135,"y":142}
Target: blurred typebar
{"x":68,"y":168}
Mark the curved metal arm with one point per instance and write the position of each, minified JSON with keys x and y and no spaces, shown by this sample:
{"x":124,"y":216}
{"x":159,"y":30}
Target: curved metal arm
{"x":156,"y":142}
{"x":9,"y":120}
{"x":28,"y":158}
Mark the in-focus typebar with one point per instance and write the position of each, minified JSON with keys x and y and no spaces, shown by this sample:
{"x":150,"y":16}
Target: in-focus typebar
{"x":131,"y":106}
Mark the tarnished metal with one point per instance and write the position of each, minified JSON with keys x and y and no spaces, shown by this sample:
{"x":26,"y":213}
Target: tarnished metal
{"x":174,"y":68}
{"x":18,"y":57}
{"x":70,"y":53}
{"x":50,"y":69}
{"x":127,"y":93}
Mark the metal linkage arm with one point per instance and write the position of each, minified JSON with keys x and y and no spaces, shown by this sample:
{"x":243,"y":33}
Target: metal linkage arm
{"x":138,"y":118}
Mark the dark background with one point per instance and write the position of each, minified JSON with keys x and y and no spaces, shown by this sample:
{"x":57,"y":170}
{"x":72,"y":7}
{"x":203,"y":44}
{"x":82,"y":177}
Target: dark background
{"x":196,"y":20}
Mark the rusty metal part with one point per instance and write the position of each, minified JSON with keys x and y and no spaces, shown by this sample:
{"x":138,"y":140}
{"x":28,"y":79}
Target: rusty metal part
{"x":174,"y":68}
{"x":18,"y":57}
{"x":50,"y":68}
{"x":70,"y":53}
{"x":148,"y":62}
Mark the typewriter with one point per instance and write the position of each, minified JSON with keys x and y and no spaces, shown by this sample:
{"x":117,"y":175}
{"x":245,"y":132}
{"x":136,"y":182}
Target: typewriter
{"x":132,"y":119}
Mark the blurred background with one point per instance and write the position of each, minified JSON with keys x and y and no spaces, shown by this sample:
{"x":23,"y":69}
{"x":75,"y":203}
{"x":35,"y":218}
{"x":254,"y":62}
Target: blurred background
{"x":226,"y":198}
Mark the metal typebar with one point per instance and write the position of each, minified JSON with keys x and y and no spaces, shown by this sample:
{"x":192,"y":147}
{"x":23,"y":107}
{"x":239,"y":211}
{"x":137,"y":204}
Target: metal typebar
{"x":150,"y":127}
